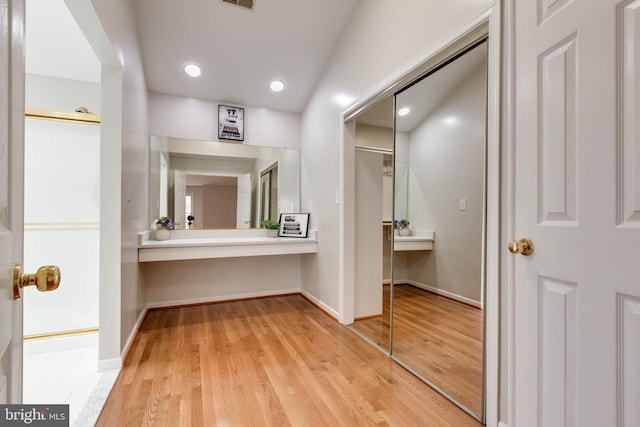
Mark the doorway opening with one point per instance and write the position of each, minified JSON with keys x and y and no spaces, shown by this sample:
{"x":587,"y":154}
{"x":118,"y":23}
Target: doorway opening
{"x":62,"y":210}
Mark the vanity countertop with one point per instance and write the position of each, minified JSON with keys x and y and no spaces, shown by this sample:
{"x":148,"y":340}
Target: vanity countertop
{"x":419,"y":240}
{"x":202,"y":244}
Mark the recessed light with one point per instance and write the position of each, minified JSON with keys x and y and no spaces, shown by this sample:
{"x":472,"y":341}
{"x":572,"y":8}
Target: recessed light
{"x":277,"y":85}
{"x":343,"y":100}
{"x":404,"y":111}
{"x":451,"y":120}
{"x":193,"y":70}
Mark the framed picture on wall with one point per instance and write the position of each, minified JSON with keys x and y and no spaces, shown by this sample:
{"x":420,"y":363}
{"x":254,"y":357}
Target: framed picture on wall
{"x":294,"y":225}
{"x":230,"y":122}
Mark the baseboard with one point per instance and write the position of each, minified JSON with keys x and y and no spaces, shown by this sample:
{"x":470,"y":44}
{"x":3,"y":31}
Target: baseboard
{"x":224,"y":298}
{"x":60,"y":343}
{"x":444,"y":293}
{"x":132,"y":335}
{"x":321,"y":305}
{"x":502,"y":424}
{"x":109,"y":364}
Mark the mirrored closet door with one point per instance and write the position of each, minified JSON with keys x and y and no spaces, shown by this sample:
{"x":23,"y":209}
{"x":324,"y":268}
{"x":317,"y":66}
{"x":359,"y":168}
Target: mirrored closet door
{"x":438,"y":287}
{"x":420,"y":206}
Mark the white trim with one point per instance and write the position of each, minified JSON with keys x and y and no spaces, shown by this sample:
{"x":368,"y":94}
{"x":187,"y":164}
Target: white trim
{"x":491,"y":295}
{"x":60,"y":343}
{"x":61,"y":226}
{"x":132,"y":334}
{"x":346,"y":235}
{"x":447,"y":294}
{"x":502,"y":424}
{"x":507,"y":215}
{"x":223,"y":298}
{"x":333,"y":313}
{"x":109,"y":364}
{"x":111,"y":93}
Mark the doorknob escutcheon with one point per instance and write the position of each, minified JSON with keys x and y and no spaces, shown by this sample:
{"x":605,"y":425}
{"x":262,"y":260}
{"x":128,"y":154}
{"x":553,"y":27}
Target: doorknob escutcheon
{"x":523,"y":246}
{"x":47,"y":278}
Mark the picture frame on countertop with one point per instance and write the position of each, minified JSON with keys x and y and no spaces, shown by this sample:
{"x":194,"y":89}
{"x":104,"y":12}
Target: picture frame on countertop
{"x":294,"y":225}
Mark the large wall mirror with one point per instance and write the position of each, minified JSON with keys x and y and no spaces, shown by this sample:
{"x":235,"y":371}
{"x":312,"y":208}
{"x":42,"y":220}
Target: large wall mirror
{"x":421,"y":154}
{"x":217,"y":185}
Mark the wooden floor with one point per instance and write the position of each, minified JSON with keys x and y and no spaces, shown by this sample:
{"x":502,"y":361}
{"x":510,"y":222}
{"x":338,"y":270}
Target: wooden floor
{"x":441,"y":339}
{"x":275,"y":362}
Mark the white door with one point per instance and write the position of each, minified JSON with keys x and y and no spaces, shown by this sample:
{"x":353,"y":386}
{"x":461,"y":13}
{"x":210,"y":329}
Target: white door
{"x":243,"y":211}
{"x":11,"y":147}
{"x":576,"y":194}
{"x":179,"y":194}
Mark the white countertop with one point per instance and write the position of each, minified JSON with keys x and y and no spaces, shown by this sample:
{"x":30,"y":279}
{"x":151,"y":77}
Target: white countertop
{"x":419,"y":240}
{"x":202,"y":244}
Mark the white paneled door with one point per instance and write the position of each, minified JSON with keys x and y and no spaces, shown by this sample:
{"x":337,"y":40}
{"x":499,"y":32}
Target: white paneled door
{"x":11,"y":147}
{"x":180,"y":192}
{"x":243,"y":210}
{"x":576,"y":195}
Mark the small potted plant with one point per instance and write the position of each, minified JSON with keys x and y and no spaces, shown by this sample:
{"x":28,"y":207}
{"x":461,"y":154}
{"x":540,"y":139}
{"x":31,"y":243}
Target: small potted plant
{"x":403,"y":226}
{"x":161,"y":226}
{"x":271,"y":226}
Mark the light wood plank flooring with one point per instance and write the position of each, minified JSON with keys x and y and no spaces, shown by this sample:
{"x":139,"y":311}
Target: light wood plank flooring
{"x":441,"y":339}
{"x":276,"y":362}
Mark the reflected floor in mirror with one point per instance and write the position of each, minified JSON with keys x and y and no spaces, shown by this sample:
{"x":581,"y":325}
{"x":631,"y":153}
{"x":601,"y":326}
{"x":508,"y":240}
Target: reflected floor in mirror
{"x":441,"y":339}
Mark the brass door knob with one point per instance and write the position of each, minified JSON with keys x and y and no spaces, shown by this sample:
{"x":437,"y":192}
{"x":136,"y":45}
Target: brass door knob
{"x":47,"y":278}
{"x":523,"y":247}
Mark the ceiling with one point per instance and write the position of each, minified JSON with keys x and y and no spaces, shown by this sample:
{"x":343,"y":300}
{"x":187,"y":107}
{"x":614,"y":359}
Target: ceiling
{"x":240,"y":51}
{"x":423,"y":97}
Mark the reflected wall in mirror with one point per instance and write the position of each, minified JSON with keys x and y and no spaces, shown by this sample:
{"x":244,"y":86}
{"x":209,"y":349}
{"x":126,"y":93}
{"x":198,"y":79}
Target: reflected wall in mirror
{"x":206,"y":184}
{"x":374,"y":216}
{"x":438,"y":294}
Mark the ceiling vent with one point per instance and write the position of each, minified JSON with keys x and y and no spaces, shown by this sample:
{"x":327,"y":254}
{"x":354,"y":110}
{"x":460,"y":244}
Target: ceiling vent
{"x":246,"y":4}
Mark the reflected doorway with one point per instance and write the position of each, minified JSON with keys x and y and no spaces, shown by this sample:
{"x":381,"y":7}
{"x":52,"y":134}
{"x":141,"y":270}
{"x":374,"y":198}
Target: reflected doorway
{"x":269,"y":194}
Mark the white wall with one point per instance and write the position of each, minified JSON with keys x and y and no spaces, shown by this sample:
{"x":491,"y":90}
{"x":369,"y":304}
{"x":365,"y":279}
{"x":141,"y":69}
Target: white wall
{"x":447,"y":164}
{"x":368,"y":262}
{"x":180,"y":282}
{"x":380,"y":42}
{"x":183,"y":117}
{"x":56,"y":93}
{"x":125,"y":182}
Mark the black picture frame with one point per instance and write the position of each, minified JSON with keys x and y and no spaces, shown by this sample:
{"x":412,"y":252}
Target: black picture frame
{"x":294,"y":225}
{"x":230,"y":122}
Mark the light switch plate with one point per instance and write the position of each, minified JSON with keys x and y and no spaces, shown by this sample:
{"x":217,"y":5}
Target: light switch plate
{"x":462,"y":205}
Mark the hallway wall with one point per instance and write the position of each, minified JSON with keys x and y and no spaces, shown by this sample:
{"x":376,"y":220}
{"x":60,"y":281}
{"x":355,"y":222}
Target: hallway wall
{"x":381,"y":41}
{"x":125,"y":125}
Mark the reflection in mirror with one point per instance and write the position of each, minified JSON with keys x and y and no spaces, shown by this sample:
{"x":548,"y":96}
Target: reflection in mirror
{"x":374,"y":216}
{"x":438,"y":294}
{"x":205,"y":184}
{"x":269,"y":194}
{"x":401,"y":189}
